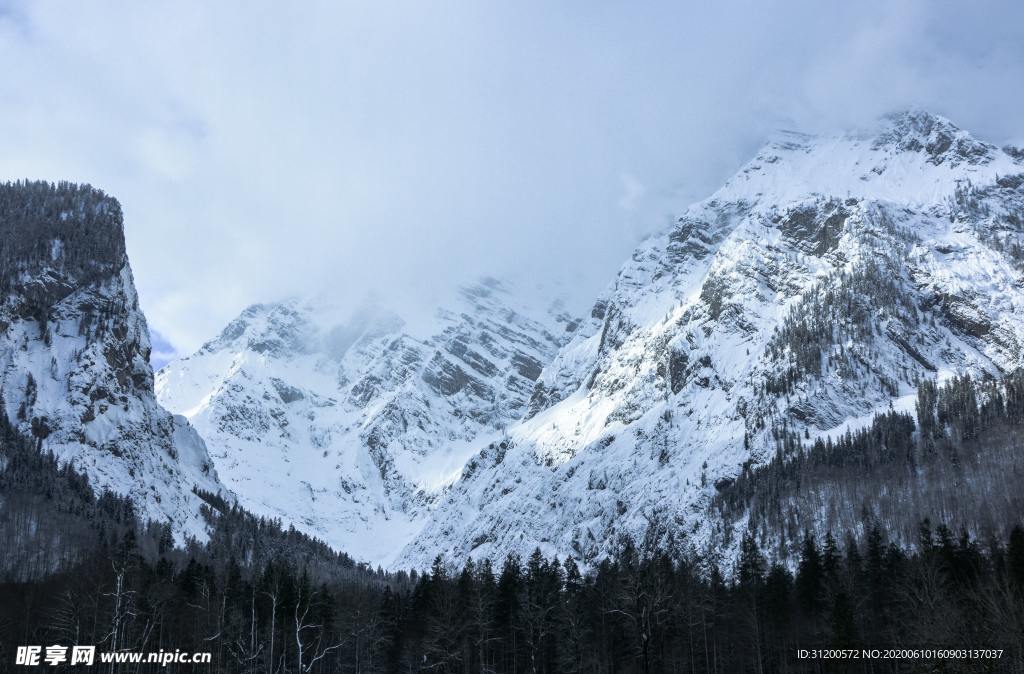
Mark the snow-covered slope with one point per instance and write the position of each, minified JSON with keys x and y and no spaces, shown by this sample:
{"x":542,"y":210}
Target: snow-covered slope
{"x":816,"y":286}
{"x":351,"y":429}
{"x":74,"y":349}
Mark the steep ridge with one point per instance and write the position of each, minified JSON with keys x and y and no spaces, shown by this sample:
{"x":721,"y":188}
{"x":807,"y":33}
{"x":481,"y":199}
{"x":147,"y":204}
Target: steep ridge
{"x":351,"y":429}
{"x":819,"y":285}
{"x":74,"y":353}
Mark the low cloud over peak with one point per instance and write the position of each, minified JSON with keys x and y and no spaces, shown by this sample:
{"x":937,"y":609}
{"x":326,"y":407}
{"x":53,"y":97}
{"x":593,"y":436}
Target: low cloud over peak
{"x":263,"y":150}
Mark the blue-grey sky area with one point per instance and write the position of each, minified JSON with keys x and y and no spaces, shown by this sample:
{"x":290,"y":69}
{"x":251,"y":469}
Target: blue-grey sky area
{"x":263,"y":149}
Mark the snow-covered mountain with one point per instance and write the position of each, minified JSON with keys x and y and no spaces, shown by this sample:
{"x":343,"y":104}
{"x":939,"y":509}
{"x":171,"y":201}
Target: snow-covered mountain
{"x":817,"y":286}
{"x":74,"y":350}
{"x":351,"y":429}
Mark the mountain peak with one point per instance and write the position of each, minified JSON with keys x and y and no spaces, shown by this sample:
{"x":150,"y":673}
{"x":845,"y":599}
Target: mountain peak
{"x":917,"y":118}
{"x":912,"y":157}
{"x":938,"y":138}
{"x":280,"y":327}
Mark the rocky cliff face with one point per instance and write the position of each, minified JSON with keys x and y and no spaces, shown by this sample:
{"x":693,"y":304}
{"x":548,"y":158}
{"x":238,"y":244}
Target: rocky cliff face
{"x":817,"y":286}
{"x":74,"y":350}
{"x":352,"y":429}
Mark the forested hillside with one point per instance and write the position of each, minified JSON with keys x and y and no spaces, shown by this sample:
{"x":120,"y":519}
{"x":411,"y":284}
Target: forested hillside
{"x":959,"y":459}
{"x":84,"y":569}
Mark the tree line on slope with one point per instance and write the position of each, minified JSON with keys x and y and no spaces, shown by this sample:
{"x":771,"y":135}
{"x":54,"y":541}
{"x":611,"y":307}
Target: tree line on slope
{"x":959,"y":459}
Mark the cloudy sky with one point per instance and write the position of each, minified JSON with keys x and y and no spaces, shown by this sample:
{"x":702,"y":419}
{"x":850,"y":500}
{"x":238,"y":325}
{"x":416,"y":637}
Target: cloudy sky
{"x":262,"y":149}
